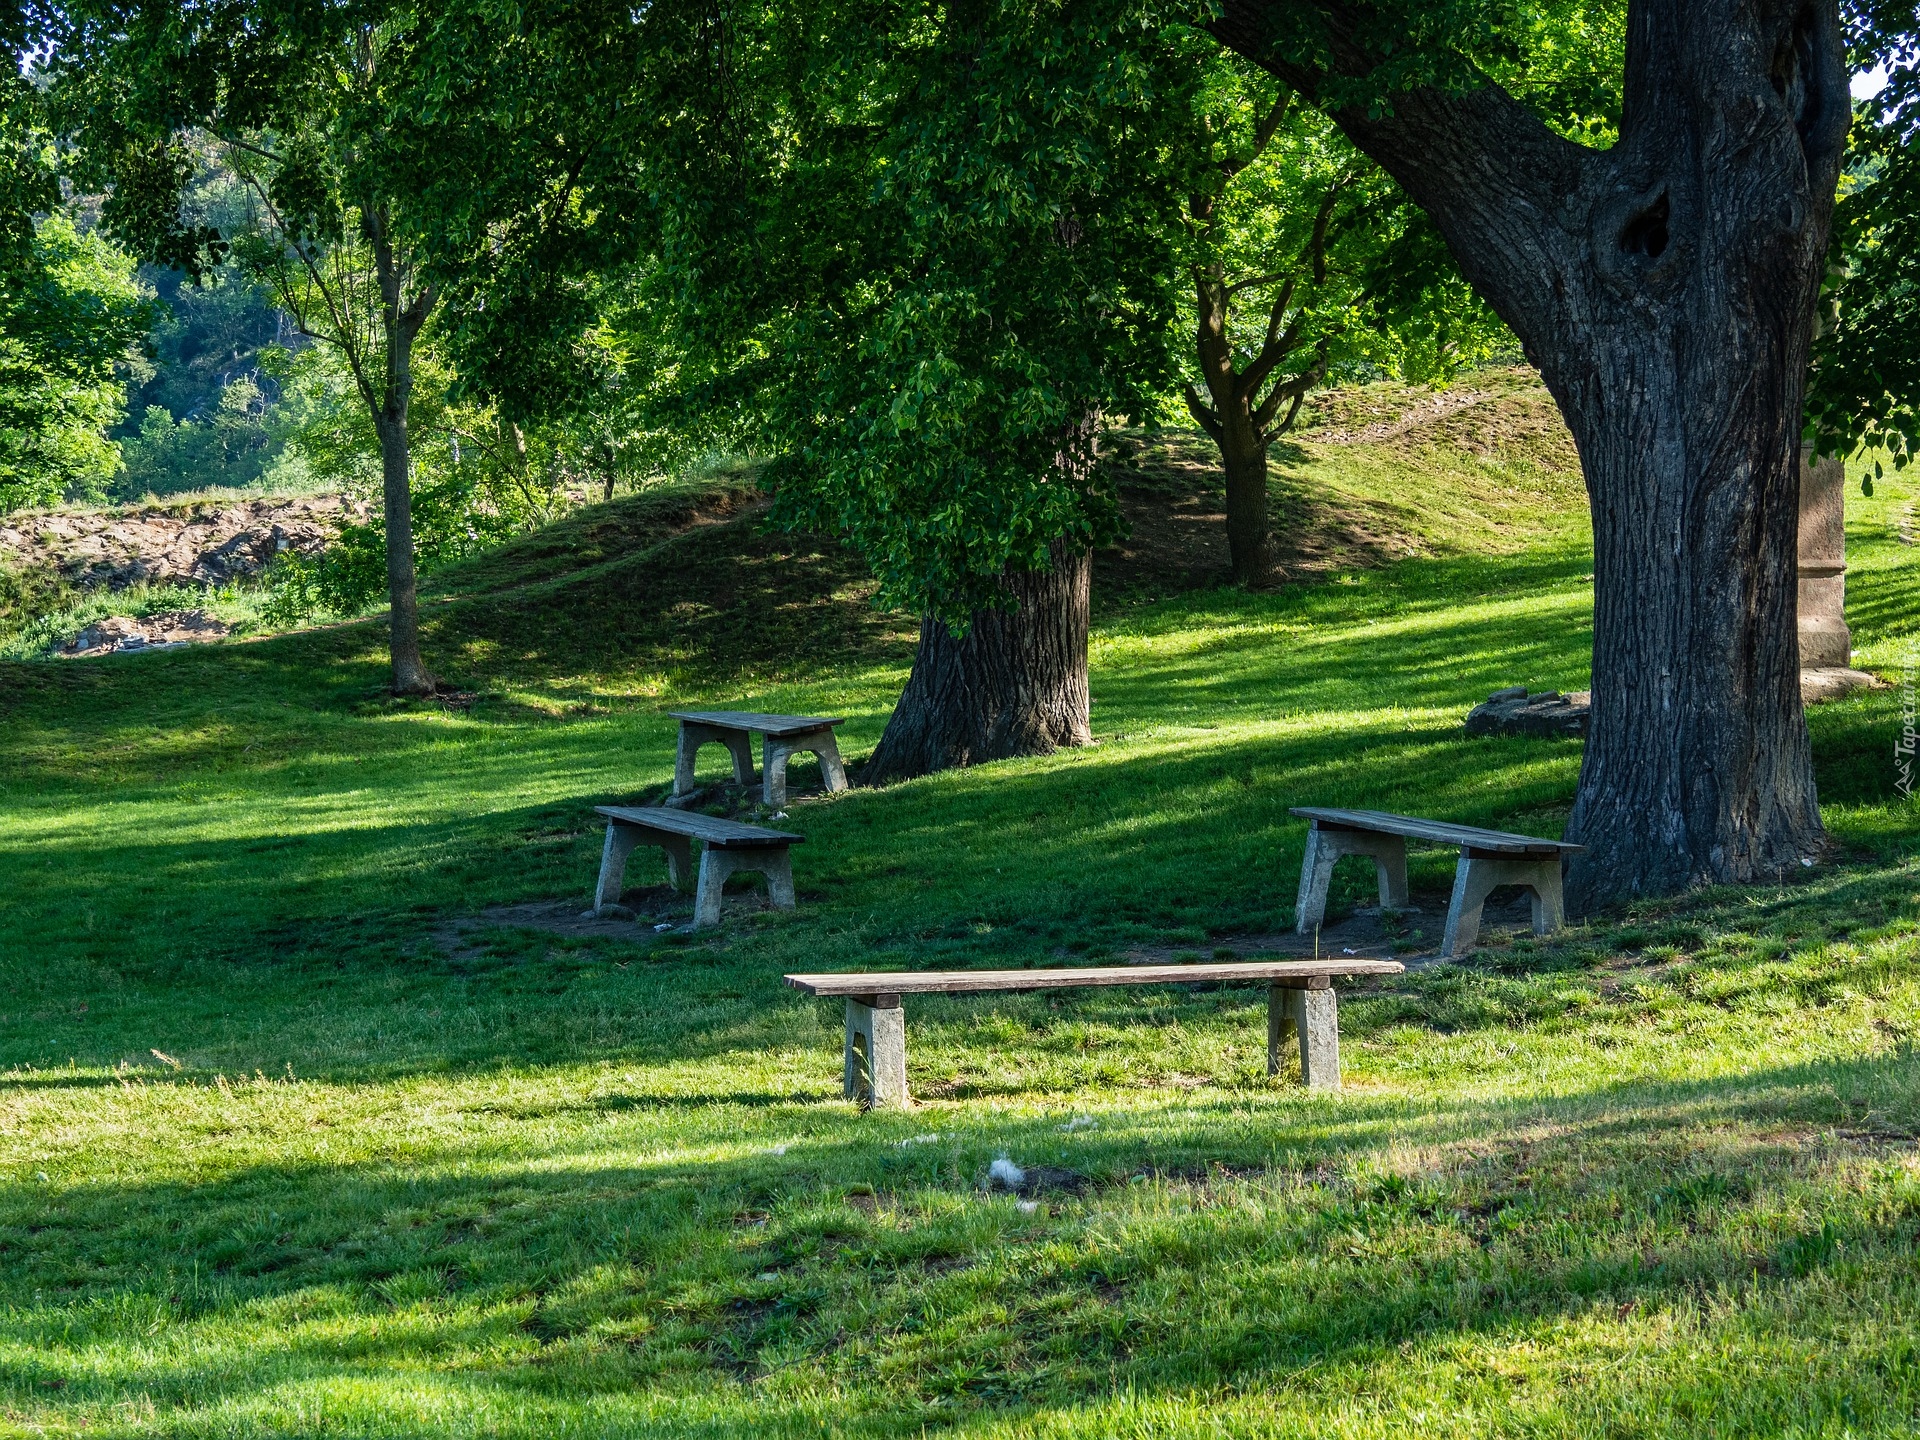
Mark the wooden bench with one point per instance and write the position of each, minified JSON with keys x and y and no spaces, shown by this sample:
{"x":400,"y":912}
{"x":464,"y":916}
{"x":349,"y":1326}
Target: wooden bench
{"x":729,"y":847}
{"x":1488,"y":858}
{"x":1300,"y":1002}
{"x":784,"y":737}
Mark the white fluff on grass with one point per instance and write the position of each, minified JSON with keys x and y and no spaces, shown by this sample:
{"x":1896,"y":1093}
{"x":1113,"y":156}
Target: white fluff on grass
{"x":1007,"y":1173}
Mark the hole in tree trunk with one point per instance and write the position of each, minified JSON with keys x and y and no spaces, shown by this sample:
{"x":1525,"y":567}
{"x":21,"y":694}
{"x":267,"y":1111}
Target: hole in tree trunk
{"x":1795,"y":66}
{"x":1646,"y":233}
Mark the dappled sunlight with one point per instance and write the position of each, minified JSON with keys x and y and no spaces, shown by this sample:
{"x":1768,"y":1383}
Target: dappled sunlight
{"x":300,"y":1124}
{"x":573,"y":1225}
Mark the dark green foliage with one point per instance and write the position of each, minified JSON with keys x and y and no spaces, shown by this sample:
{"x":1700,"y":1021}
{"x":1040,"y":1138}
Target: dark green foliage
{"x":1036,"y":173}
{"x":919,"y":255}
{"x":207,"y":337}
{"x":71,"y":313}
{"x":1866,"y":364}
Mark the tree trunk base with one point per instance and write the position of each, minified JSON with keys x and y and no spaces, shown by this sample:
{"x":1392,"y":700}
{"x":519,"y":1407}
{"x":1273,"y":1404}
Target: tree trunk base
{"x":416,"y":683}
{"x":1014,"y":684}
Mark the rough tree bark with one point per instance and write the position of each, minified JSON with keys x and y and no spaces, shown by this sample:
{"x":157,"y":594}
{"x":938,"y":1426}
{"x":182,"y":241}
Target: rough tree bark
{"x":1014,"y":684}
{"x":1665,"y":289}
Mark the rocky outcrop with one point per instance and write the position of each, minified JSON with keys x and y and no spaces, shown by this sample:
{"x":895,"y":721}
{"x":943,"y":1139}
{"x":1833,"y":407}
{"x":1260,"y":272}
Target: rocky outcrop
{"x":1830,"y":682}
{"x":1515,"y":712}
{"x":189,"y":545}
{"x":147,"y":632}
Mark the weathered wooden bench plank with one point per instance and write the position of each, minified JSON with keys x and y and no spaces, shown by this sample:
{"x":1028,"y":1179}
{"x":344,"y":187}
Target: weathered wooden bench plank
{"x":728,"y":847}
{"x":963,"y":982}
{"x":1300,"y":1003}
{"x":1440,"y":832}
{"x":762,"y":724}
{"x":783,"y":737}
{"x":695,"y":826}
{"x":1488,"y":859}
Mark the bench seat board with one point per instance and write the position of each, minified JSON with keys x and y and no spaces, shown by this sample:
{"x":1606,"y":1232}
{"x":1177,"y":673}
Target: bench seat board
{"x":1300,"y":1002}
{"x":961,"y":982}
{"x":1471,"y":837}
{"x":726,"y":834}
{"x":745,"y":720}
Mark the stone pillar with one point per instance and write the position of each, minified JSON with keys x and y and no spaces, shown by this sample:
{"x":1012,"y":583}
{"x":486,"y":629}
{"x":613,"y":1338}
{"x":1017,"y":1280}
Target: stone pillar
{"x":1825,"y":642}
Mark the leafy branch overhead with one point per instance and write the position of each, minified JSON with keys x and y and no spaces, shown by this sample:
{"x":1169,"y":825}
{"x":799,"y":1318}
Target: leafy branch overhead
{"x":1863,"y":391}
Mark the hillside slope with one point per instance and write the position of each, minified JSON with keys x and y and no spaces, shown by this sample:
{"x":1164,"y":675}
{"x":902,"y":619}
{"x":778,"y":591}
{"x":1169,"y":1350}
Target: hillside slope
{"x":687,"y":576}
{"x":693,"y":581}
{"x":1372,"y":474}
{"x":322,"y":1110}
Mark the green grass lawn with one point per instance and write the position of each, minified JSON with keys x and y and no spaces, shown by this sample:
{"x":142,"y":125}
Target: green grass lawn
{"x":282,"y":1154}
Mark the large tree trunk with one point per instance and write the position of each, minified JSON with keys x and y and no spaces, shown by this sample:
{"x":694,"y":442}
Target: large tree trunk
{"x":1014,"y":684}
{"x":1666,"y":290}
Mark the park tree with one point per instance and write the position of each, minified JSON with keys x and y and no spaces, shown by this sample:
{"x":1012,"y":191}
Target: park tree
{"x":396,"y":168}
{"x":1033,"y":167}
{"x":1307,"y":257}
{"x":310,"y":112}
{"x":1665,"y":286}
{"x":925,"y":251}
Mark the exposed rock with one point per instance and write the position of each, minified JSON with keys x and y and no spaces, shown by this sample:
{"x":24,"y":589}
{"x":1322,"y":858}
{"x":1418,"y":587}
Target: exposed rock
{"x":1515,"y":712}
{"x":190,"y":545}
{"x":1832,"y":681}
{"x":147,"y":632}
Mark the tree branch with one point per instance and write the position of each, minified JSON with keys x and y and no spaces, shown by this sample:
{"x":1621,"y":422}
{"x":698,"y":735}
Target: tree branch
{"x":1258,"y":282}
{"x":1262,"y":136}
{"x":1297,"y":387}
{"x":343,"y":336}
{"x":1277,"y":345}
{"x":1482,"y":164}
{"x":1207,"y":420}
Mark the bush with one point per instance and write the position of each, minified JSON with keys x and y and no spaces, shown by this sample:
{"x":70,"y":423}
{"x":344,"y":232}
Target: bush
{"x":231,"y":448}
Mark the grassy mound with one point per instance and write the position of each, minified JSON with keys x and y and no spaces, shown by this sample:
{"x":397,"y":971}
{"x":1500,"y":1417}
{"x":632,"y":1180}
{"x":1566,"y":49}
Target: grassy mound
{"x":321,"y":1116}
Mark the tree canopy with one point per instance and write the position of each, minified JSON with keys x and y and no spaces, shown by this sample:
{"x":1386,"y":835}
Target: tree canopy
{"x":71,"y":314}
{"x":1865,"y":382}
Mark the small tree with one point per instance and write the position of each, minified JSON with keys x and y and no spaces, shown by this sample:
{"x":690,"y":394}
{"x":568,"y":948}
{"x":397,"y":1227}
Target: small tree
{"x":1309,"y":260}
{"x":353,"y":280}
{"x":397,"y":159}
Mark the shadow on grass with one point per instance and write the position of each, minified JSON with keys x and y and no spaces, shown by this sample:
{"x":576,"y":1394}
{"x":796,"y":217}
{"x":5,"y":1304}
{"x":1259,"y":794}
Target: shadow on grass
{"x":1318,"y":1233}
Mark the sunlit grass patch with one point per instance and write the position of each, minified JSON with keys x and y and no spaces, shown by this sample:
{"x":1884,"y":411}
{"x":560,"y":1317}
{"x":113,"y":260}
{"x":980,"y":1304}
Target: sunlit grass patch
{"x":299,"y":1135}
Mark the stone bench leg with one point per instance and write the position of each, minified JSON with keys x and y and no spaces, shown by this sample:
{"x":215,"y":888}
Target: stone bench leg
{"x":1324,"y":847}
{"x":716,"y":864}
{"x":876,"y":1060}
{"x":693,"y":735}
{"x":1313,"y":1016}
{"x":778,"y":751}
{"x":621,"y":840}
{"x":1478,"y":875}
